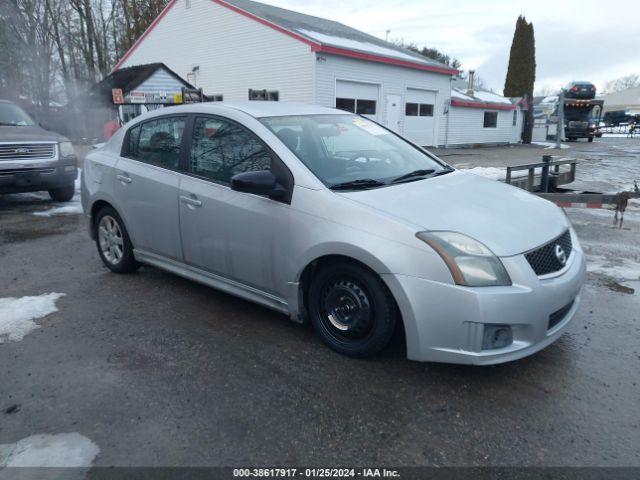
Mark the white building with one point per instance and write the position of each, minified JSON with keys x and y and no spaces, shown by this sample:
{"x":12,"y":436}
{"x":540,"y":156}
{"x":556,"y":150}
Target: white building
{"x":240,"y":49}
{"x":480,"y":117}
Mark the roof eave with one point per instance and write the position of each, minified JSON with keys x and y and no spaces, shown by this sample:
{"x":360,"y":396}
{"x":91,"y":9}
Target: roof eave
{"x":488,"y":106}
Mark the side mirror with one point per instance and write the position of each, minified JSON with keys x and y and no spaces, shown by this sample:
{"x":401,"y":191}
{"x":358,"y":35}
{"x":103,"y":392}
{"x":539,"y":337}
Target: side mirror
{"x":261,"y":182}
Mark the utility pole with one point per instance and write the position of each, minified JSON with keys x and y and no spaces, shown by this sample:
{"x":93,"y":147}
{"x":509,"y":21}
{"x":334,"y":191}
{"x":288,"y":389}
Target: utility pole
{"x":560,"y":127}
{"x":386,"y":37}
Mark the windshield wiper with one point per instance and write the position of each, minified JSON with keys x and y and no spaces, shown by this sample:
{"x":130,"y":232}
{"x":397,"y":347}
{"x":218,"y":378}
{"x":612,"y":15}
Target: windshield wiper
{"x":360,"y":184}
{"x":419,"y":174}
{"x":414,"y":174}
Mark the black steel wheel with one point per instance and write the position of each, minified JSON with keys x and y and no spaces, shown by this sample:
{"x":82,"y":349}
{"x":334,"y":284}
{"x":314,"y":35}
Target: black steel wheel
{"x":352,"y":309}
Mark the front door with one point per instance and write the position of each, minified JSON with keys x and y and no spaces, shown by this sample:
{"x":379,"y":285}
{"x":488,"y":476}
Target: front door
{"x":147,"y":185}
{"x":225,"y":232}
{"x":394,"y":105}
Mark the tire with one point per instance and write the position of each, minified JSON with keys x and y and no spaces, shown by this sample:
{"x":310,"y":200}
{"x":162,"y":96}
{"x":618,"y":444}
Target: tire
{"x":112,"y":240}
{"x":590,"y":139}
{"x":352,"y":309}
{"x":62,"y":194}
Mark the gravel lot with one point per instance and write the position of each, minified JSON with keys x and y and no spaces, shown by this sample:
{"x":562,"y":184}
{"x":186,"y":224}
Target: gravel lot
{"x":149,"y":369}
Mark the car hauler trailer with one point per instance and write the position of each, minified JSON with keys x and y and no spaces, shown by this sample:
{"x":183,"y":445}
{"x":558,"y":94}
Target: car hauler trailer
{"x":581,"y":118}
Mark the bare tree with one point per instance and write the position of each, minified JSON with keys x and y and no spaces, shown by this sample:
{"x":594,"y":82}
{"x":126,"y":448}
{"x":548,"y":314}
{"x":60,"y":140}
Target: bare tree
{"x":622,"y":83}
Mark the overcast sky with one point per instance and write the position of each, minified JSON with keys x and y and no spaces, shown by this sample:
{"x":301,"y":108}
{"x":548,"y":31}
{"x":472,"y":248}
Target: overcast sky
{"x":575,"y":40}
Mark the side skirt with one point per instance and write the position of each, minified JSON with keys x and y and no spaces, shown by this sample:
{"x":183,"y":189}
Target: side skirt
{"x":212,"y":280}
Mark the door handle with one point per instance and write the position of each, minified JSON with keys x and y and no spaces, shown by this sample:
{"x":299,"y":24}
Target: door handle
{"x":124,"y":178}
{"x":191,"y":201}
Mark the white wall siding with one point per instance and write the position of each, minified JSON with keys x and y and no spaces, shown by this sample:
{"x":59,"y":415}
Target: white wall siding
{"x":161,"y":81}
{"x":466,"y":127}
{"x":234,"y":53}
{"x":391,"y":79}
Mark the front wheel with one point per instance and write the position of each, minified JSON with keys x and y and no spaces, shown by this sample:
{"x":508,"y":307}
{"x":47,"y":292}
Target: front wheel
{"x":62,"y":194}
{"x":112,"y":239}
{"x":352,"y":309}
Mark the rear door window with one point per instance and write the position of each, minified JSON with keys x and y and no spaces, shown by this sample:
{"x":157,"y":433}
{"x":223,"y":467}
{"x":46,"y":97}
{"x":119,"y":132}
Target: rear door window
{"x":158,"y":142}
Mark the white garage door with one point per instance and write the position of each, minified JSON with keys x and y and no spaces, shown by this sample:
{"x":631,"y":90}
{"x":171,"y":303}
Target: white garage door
{"x":420,"y":111}
{"x":358,"y":97}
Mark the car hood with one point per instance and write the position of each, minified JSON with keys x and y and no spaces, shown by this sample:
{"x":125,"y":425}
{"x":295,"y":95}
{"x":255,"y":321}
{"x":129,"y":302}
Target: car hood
{"x":506,"y":219}
{"x":28,"y":134}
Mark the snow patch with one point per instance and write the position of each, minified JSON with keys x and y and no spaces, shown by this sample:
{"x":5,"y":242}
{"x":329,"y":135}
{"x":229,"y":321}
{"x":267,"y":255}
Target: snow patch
{"x":620,"y":268}
{"x":550,"y":145}
{"x":17,"y":315}
{"x":45,"y":450}
{"x":361,"y":46}
{"x":495,"y":173}
{"x":491,"y":97}
{"x":73,"y":207}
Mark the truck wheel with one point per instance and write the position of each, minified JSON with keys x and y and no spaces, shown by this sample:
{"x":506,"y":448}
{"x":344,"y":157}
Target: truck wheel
{"x":590,"y":139}
{"x":352,"y":309}
{"x":63,"y":194}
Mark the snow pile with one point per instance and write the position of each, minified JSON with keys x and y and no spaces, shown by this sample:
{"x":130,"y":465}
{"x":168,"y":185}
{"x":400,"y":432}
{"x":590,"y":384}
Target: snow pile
{"x":550,"y":145}
{"x":45,"y":450}
{"x":620,"y":269}
{"x":455,"y":93}
{"x":491,"y":97}
{"x":495,"y":173}
{"x":17,"y":315}
{"x":361,"y":46}
{"x":72,"y":207}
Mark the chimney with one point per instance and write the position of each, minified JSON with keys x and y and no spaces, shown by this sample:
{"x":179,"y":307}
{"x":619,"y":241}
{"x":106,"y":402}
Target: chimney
{"x":470,"y":86}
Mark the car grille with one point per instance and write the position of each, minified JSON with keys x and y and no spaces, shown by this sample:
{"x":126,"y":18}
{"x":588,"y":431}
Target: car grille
{"x":575,"y":124}
{"x":27,"y":151}
{"x":544,"y":259}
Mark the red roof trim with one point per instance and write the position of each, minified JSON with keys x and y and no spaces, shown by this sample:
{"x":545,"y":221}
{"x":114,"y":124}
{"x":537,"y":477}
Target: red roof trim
{"x":380,"y":59}
{"x":315,"y":46}
{"x":146,"y":32}
{"x":487,"y":106}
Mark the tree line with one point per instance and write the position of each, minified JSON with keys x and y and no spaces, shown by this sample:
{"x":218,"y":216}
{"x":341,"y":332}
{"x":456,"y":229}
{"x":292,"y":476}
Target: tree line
{"x":54,"y":49}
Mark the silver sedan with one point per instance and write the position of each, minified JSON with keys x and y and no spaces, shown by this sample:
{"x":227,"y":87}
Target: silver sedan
{"x":330,"y":218}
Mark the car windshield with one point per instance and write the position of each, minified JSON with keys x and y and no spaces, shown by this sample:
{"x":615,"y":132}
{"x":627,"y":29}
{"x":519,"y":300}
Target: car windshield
{"x":13,"y":115}
{"x":349,"y":151}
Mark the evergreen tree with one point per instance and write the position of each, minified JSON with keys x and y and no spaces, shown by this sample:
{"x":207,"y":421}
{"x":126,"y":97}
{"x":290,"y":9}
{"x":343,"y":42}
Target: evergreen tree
{"x":521,"y":74}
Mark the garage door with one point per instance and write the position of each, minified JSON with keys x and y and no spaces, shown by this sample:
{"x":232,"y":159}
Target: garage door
{"x":419,"y":120}
{"x":358,"y":97}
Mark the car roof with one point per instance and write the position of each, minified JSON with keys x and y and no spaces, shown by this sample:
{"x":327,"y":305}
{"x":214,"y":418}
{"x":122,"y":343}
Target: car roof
{"x":258,"y":109}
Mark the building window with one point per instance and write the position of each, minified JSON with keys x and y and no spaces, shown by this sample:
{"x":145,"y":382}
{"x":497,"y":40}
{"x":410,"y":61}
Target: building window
{"x":515,"y":117}
{"x":490,"y":120}
{"x":366,"y":107}
{"x":426,"y":110}
{"x":418,"y":110}
{"x":359,"y":106}
{"x":348,"y":104}
{"x":264,"y":95}
{"x":215,"y":98}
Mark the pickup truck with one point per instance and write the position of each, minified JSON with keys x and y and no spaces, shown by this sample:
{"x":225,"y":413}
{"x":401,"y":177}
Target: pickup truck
{"x":34,"y":159}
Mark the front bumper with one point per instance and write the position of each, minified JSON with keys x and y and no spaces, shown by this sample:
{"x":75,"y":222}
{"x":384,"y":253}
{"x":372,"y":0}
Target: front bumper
{"x":36,"y":178}
{"x":446,"y":322}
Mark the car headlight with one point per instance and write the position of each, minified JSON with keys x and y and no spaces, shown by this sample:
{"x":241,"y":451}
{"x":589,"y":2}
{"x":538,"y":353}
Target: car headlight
{"x":66,"y":149}
{"x":471,"y":263}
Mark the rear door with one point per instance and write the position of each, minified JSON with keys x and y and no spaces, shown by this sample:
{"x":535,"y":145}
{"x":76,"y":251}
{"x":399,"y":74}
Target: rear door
{"x":230,"y":233}
{"x":147,"y":185}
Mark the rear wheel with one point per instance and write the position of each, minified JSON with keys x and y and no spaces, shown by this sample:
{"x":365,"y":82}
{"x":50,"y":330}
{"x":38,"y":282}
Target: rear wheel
{"x":352,"y":309}
{"x":590,"y":139}
{"x":113,"y":242}
{"x":62,"y":194}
